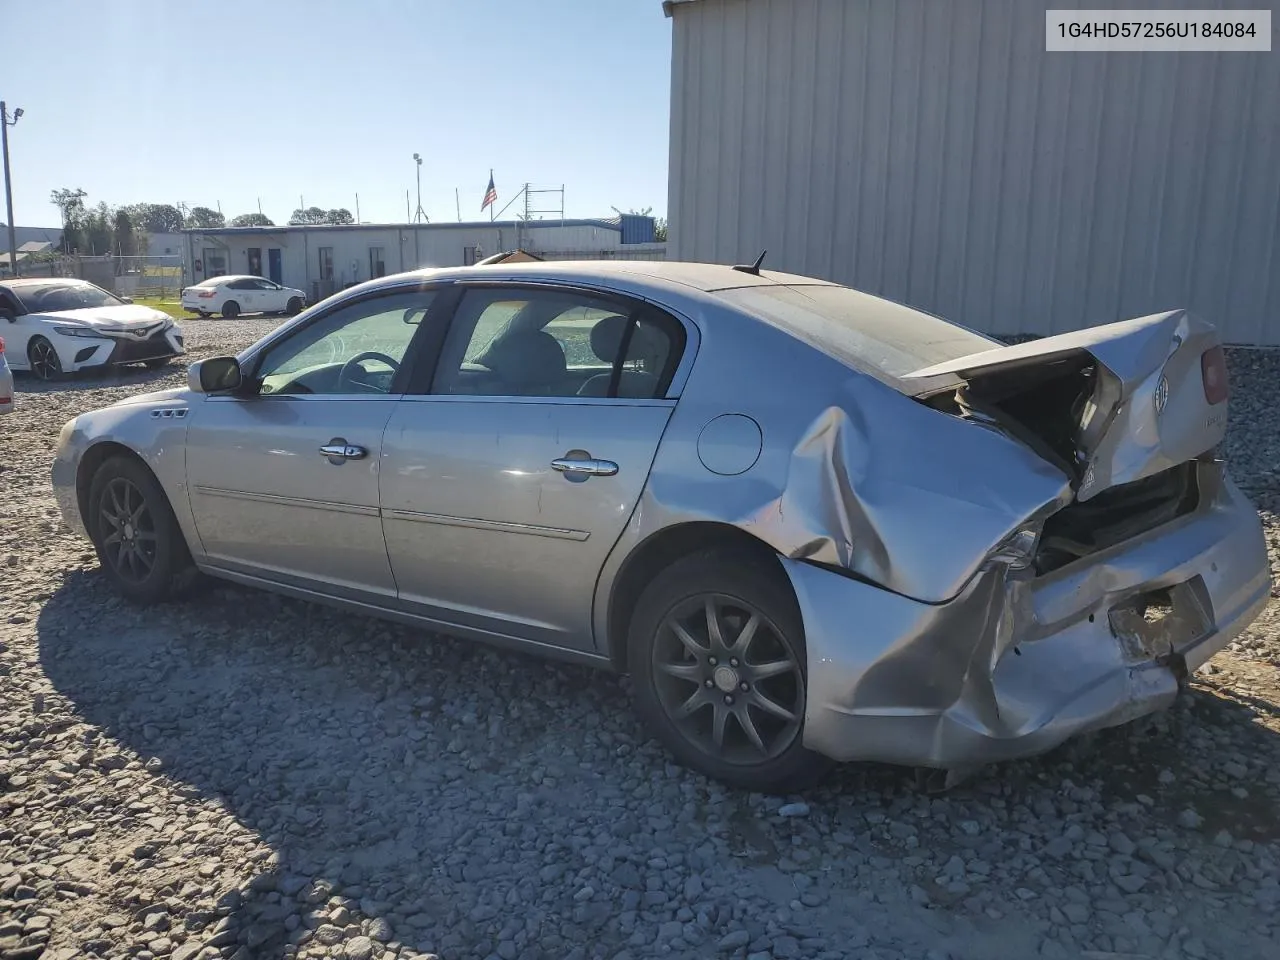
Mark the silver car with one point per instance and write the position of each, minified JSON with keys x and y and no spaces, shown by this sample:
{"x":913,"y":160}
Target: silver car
{"x":812,"y":524}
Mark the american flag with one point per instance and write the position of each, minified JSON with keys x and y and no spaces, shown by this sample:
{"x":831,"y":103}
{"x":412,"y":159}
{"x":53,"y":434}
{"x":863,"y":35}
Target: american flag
{"x":490,"y":195}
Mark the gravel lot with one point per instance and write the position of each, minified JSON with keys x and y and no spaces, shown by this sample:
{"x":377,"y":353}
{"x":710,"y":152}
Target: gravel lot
{"x":245,"y":776}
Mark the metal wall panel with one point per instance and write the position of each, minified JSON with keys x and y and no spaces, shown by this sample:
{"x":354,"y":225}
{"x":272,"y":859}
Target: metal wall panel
{"x":931,"y":151}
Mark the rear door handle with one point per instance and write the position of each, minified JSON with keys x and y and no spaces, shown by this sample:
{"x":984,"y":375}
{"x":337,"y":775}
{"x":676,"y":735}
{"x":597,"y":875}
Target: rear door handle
{"x":338,"y":450}
{"x":585,"y":468}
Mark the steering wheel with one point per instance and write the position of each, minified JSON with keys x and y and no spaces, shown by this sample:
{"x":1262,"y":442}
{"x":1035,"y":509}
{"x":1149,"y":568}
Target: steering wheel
{"x":345,"y":375}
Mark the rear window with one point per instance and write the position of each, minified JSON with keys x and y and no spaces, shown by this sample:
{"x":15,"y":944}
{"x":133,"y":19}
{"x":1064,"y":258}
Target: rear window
{"x":859,"y":329}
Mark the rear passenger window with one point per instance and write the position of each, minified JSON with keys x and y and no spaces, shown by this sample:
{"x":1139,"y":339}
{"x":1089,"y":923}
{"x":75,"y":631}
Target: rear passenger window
{"x":535,"y":343}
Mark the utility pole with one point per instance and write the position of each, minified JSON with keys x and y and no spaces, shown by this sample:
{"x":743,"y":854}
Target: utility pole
{"x":418,"y":215}
{"x":5,"y":124}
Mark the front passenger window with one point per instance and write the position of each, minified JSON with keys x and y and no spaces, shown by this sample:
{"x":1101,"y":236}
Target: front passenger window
{"x":356,"y":349}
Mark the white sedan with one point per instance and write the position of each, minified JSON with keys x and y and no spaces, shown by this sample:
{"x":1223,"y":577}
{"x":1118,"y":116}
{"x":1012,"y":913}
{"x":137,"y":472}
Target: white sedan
{"x":6,"y":383}
{"x":233,"y":295}
{"x":57,"y":325}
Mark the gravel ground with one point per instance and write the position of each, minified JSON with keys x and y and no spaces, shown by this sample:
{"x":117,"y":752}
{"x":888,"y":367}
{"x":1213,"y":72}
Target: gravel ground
{"x":240,"y":775}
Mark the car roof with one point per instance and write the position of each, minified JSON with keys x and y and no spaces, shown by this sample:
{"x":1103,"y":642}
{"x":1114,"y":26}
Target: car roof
{"x":706,"y":277}
{"x":227,"y":278}
{"x":20,"y":282}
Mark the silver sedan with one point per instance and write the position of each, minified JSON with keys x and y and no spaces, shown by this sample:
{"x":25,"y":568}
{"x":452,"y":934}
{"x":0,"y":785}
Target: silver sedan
{"x":812,"y":524}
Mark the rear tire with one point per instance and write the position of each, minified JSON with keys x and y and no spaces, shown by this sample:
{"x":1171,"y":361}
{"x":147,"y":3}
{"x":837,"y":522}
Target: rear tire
{"x":293,"y":307}
{"x":716,"y":649}
{"x":43,"y":360}
{"x":230,"y":310}
{"x":135,"y":534}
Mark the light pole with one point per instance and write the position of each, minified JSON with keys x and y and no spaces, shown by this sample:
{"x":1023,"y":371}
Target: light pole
{"x":5,"y":124}
{"x":418,"y":215}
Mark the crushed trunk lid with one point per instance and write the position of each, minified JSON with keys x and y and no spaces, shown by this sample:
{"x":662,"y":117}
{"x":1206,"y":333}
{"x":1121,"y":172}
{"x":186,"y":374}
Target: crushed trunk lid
{"x":1109,"y":405}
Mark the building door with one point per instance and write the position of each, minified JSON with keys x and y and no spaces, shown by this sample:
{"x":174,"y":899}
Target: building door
{"x":255,"y":261}
{"x":273,"y":264}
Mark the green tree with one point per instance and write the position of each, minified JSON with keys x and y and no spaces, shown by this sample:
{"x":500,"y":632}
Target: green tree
{"x":205,"y":217}
{"x":251,"y":220}
{"x":123,"y":235}
{"x":155,"y":217}
{"x":70,"y":204}
{"x":309,"y":215}
{"x":340,"y":215}
{"x":97,"y":230}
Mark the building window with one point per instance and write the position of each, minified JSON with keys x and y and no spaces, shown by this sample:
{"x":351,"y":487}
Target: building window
{"x":326,"y":263}
{"x":377,"y":262}
{"x":215,"y":262}
{"x":472,"y":255}
{"x":255,"y":261}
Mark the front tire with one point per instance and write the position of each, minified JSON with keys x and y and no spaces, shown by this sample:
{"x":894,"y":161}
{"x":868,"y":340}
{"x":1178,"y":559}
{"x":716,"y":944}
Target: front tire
{"x":43,"y":359}
{"x":230,"y":310}
{"x":293,"y":307}
{"x":135,"y":534}
{"x":716,"y":648}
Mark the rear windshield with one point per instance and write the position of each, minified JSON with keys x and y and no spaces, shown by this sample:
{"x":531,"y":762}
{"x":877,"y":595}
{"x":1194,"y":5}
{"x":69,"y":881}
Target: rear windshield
{"x":858,"y":329}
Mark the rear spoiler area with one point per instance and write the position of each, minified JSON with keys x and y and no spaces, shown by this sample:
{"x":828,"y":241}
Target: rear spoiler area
{"x":1107,"y":405}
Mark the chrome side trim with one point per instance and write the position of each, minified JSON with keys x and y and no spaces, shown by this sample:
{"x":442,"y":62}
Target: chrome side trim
{"x":475,"y":523}
{"x":369,"y":605}
{"x":557,"y":401}
{"x":325,"y":505}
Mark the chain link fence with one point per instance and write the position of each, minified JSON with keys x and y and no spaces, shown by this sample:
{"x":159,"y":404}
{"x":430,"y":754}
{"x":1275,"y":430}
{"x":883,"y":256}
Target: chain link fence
{"x":151,"y":277}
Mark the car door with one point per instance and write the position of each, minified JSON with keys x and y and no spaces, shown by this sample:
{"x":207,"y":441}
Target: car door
{"x":283,"y":478}
{"x":271,"y":298}
{"x":17,"y":328}
{"x":245,"y":292}
{"x":508,"y":481}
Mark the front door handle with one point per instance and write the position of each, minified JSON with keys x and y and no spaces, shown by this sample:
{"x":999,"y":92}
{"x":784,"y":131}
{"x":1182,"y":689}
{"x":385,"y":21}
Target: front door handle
{"x":585,"y":468}
{"x":338,"y":450}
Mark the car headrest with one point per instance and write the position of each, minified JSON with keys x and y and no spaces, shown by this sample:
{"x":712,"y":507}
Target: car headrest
{"x":606,"y":337}
{"x":527,"y":357}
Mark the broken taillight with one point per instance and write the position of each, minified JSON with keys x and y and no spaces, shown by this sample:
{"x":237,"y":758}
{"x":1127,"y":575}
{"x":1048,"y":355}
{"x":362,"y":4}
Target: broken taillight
{"x":1213,"y":369}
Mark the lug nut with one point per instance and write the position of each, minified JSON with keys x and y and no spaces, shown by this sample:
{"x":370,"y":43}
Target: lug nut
{"x":728,"y":699}
{"x":711,"y":660}
{"x":733,"y":661}
{"x":743,"y":687}
{"x":707,"y":683}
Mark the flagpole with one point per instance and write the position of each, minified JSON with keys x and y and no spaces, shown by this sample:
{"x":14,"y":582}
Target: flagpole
{"x":457,"y":202}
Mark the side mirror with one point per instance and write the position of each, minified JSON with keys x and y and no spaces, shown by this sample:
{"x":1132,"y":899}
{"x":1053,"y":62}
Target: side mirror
{"x":214,"y":375}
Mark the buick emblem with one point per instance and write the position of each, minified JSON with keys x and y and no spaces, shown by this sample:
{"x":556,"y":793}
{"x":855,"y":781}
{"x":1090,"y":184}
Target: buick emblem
{"x":1162,"y":394}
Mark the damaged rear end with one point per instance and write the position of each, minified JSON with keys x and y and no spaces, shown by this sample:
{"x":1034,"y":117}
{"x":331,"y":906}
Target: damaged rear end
{"x":1100,"y":602}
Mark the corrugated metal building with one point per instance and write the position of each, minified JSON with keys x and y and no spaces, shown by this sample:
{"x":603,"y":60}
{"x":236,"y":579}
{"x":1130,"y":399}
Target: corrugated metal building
{"x":934,"y":153}
{"x":321,"y":259}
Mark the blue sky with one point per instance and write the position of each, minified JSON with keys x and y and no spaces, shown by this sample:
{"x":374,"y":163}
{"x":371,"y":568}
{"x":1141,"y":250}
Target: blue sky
{"x":227,"y":102}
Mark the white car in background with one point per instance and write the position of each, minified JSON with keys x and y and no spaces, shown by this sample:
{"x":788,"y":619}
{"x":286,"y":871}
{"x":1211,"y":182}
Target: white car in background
{"x":233,"y":295}
{"x":57,"y":325}
{"x":6,"y":383}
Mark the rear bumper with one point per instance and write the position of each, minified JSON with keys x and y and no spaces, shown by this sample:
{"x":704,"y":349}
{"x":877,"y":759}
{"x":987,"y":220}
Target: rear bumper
{"x":1014,"y":665}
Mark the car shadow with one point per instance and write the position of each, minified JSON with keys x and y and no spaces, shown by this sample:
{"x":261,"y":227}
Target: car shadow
{"x":126,"y":376}
{"x":368,"y":757}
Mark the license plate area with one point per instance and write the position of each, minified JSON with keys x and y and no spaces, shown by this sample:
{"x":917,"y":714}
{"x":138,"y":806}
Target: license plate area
{"x":1159,"y":624}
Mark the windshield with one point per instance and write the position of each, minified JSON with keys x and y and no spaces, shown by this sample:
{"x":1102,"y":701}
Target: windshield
{"x":858,"y":329}
{"x":64,"y":295}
